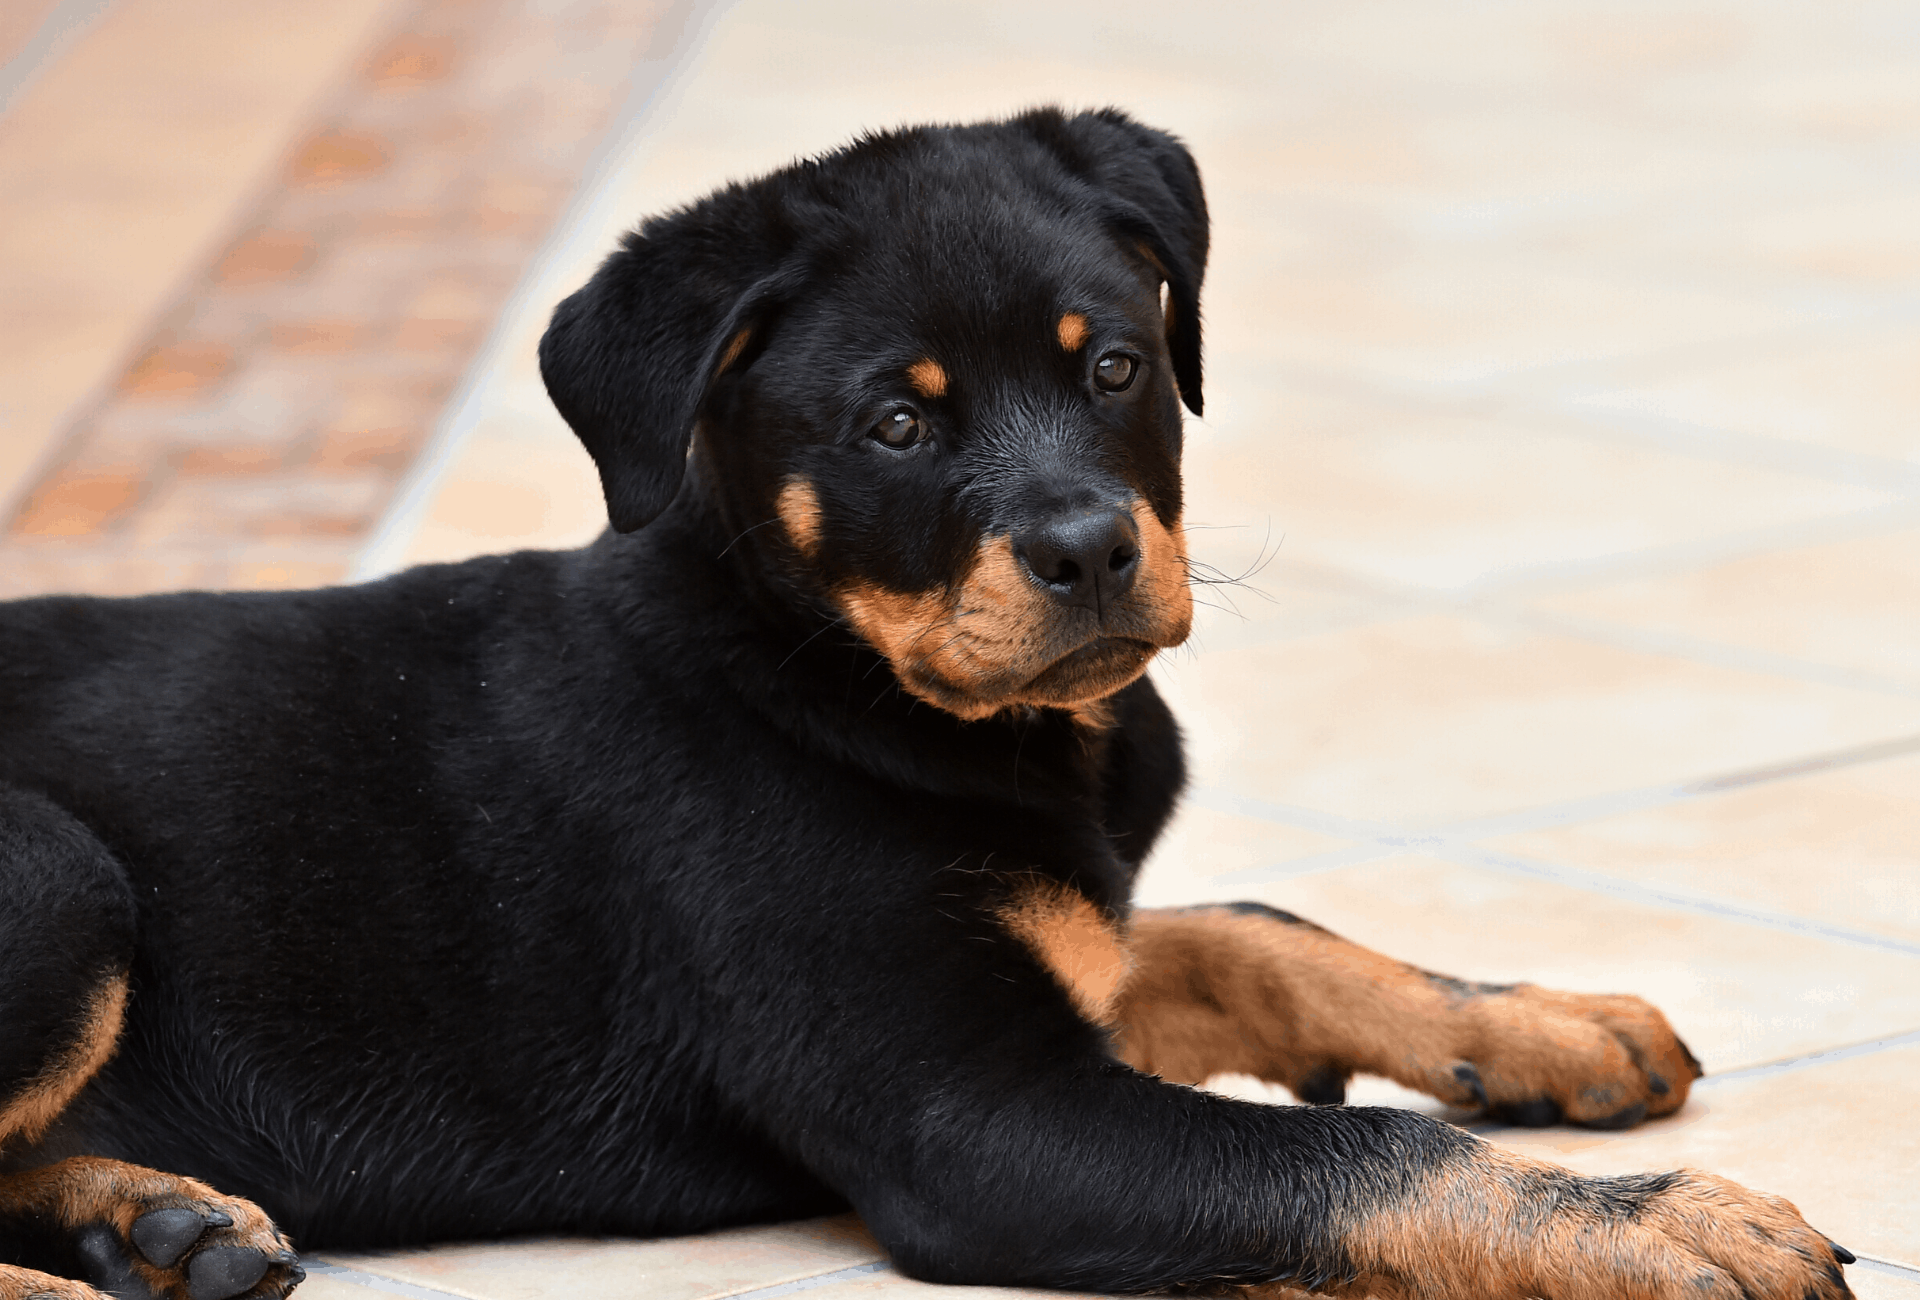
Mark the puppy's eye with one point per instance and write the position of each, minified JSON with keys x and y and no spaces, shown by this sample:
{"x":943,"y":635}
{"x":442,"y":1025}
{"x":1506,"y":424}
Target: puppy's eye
{"x":1113,"y":372}
{"x":900,"y":430}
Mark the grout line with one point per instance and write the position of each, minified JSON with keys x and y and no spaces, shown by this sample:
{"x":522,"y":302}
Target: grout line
{"x":384,"y":550}
{"x":58,"y":30}
{"x":1696,"y":553}
{"x":1543,"y":816}
{"x":807,"y":1283}
{"x":375,"y":1282}
{"x":1886,"y":1266}
{"x":1596,"y":883}
{"x":1783,"y":455}
{"x":1827,"y":1057}
{"x":1715,"y":654}
{"x":1459,"y":842}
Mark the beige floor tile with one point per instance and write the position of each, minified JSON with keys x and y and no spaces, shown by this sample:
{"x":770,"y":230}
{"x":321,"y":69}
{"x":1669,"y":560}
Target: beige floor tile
{"x":674,"y":1268}
{"x":506,"y":493}
{"x":1469,"y":315}
{"x":1406,"y":493}
{"x":1202,"y":844}
{"x":137,"y":145}
{"x":1841,"y":1141}
{"x":1868,"y":1284}
{"x":21,"y":23}
{"x":1739,"y":994}
{"x":1853,"y":604}
{"x":1432,"y":719}
{"x":1841,"y":847}
{"x":320,"y":1287}
{"x":1856,"y":391}
{"x":892,"y":1286}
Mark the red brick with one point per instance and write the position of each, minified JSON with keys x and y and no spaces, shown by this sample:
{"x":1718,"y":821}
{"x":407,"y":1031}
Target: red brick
{"x":266,"y":255}
{"x":411,"y":59}
{"x":317,"y":337}
{"x":337,"y":157}
{"x":239,"y":459}
{"x":79,"y":502}
{"x":178,"y":370}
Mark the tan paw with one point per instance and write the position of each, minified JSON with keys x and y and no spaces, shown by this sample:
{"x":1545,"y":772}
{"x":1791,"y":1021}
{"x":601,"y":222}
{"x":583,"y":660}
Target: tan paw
{"x":1498,"y":1226}
{"x":146,"y":1235}
{"x":1534,"y":1056}
{"x":28,"y":1284}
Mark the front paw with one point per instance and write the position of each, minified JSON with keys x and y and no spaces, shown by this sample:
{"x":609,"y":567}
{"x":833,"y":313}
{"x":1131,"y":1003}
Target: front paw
{"x":1535,"y":1057}
{"x":1497,"y":1226}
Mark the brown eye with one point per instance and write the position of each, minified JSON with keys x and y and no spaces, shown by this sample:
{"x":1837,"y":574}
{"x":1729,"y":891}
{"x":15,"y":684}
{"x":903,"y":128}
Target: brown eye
{"x":1113,"y":372}
{"x":900,"y":430}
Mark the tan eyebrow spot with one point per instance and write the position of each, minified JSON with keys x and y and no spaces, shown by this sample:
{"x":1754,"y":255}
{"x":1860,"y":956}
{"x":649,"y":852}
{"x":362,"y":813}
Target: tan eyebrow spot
{"x":927,"y":377}
{"x":799,"y":509}
{"x":735,"y":347}
{"x":1072,"y":331}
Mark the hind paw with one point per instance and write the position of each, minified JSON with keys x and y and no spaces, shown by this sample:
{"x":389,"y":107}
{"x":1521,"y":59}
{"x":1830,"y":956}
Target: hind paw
{"x":144,"y":1235}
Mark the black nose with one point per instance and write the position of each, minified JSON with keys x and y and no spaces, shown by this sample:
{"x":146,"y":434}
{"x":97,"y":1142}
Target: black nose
{"x":1085,"y":558}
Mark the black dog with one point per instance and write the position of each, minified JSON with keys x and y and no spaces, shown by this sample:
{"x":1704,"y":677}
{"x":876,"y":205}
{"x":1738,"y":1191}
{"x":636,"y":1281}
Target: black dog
{"x":771,"y":855}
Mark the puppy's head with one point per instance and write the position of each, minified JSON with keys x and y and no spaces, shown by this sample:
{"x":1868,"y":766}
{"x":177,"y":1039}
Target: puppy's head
{"x":934,"y":382}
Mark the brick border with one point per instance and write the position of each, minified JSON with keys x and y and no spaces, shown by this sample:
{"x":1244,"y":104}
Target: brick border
{"x":262,"y":429}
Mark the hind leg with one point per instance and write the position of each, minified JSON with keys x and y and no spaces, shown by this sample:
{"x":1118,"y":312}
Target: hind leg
{"x":66,"y":941}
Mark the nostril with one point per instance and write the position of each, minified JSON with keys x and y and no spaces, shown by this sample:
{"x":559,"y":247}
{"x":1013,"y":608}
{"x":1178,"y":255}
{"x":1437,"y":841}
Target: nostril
{"x":1066,"y":573}
{"x":1122,"y":556}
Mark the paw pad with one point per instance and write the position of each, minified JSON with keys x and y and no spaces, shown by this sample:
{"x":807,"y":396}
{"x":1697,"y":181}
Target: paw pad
{"x":219,"y":1272}
{"x":163,"y":1236}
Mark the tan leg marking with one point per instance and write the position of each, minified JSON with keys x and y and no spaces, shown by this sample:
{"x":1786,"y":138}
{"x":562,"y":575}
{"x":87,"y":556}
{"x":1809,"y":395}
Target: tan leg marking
{"x":1081,"y":945}
{"x":1072,"y":331}
{"x":28,"y":1113}
{"x":85,"y":1191}
{"x":799,"y":509}
{"x":1217,"y":991}
{"x":28,"y":1284}
{"x":1500,"y":1226}
{"x":928,"y":377}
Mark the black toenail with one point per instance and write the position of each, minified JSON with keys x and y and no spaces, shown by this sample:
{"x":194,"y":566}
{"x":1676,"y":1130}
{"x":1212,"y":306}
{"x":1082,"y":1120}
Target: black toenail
{"x":1467,"y":1077}
{"x":223,"y":1271}
{"x":219,"y":1219}
{"x":1326,"y":1086}
{"x":1620,"y":1118}
{"x":1841,"y":1253}
{"x":163,"y":1236}
{"x":1541,"y":1112}
{"x":1657,"y":1085}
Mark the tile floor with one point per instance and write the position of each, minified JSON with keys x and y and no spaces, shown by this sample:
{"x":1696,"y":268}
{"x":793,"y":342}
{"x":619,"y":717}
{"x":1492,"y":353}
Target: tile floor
{"x":1564,"y":421}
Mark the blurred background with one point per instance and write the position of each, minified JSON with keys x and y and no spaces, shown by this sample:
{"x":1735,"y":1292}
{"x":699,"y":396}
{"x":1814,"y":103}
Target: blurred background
{"x":1563,"y":421}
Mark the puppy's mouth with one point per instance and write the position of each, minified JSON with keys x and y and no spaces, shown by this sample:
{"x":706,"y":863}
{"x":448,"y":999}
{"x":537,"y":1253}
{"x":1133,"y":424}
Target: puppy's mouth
{"x":997,"y":641}
{"x":1098,"y":668}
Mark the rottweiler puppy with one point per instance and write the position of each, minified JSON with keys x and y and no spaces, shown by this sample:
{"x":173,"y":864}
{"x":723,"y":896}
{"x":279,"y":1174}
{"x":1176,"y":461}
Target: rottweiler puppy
{"x":770,"y":855}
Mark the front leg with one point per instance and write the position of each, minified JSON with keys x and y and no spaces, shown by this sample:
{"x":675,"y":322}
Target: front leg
{"x":1248,"y":989}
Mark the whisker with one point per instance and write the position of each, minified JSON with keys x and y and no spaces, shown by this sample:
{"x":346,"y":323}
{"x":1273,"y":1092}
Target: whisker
{"x":743,"y":532}
{"x":825,"y":627}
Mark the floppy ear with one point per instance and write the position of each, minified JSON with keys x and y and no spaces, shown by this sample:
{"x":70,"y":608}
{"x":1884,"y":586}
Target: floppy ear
{"x":1150,"y":195}
{"x":630,"y":358}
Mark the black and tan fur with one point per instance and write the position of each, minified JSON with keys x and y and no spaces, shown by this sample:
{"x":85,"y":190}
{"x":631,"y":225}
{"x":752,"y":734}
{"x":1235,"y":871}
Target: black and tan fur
{"x":772,"y":855}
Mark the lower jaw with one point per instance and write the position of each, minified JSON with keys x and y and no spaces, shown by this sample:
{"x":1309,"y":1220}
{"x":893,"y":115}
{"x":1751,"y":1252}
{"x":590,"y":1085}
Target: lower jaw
{"x":1090,"y":673}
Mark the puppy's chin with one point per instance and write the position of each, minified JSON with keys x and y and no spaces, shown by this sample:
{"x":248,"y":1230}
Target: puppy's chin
{"x":1083,"y":676}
